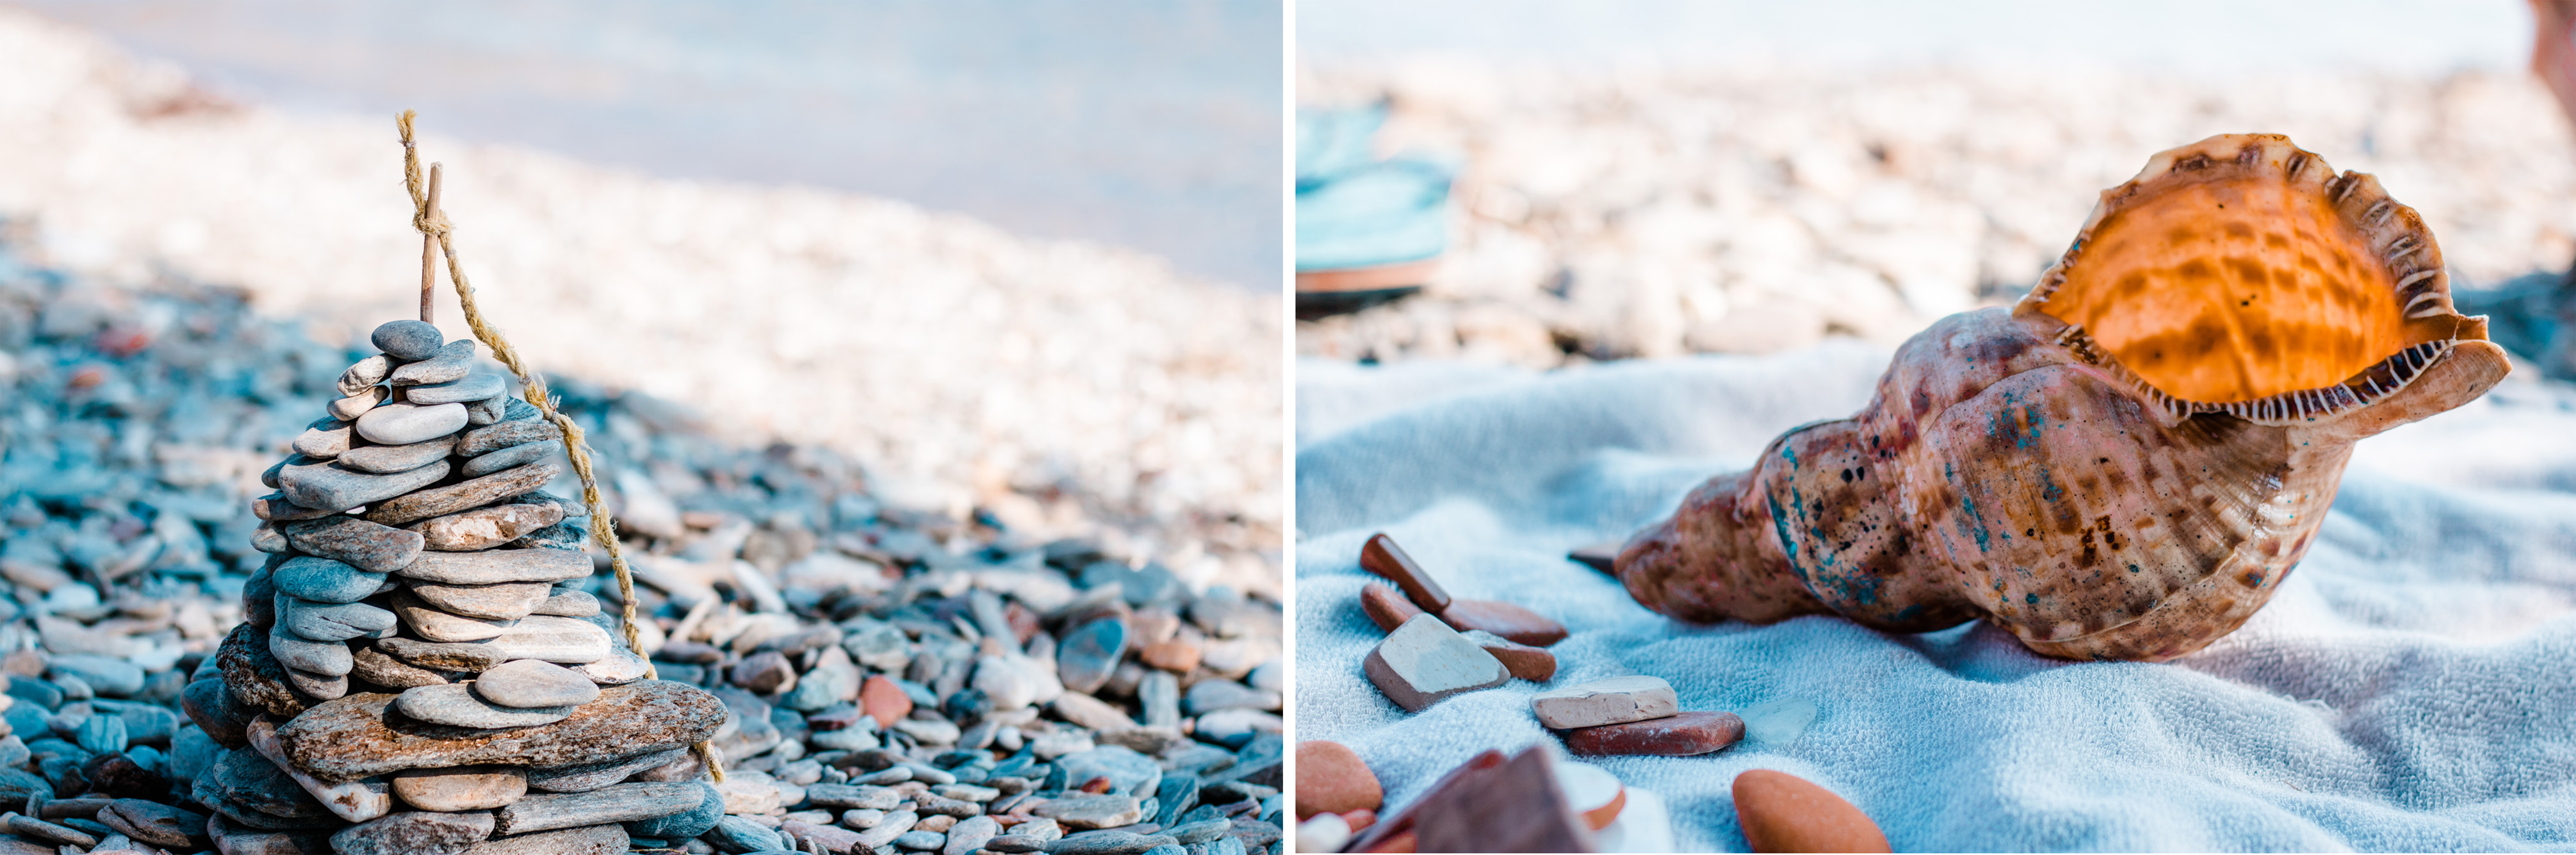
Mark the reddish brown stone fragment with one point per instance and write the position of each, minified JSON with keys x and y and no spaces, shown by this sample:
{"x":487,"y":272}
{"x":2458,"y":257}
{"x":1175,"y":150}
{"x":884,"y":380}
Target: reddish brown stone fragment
{"x":1382,"y":557}
{"x":1514,"y":807}
{"x":1504,"y":619}
{"x":1671,"y":736}
{"x":1388,"y":608}
{"x":1525,"y":662}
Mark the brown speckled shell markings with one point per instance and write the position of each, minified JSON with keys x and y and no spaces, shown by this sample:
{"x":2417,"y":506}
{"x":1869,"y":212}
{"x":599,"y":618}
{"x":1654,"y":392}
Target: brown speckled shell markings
{"x":2010,"y":470}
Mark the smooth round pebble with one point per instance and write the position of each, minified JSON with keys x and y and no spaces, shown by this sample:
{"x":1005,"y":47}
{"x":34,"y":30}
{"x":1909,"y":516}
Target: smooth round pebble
{"x":407,"y":339}
{"x":527,"y":683}
{"x":404,"y":424}
{"x":1781,"y":812}
{"x":1331,"y":777}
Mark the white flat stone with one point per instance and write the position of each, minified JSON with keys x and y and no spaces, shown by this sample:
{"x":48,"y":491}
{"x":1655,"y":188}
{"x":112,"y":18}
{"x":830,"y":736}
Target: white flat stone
{"x":434,"y":624}
{"x":1617,"y":700}
{"x":404,"y":424}
{"x":1424,"y":662}
{"x":531,"y":683}
{"x":456,"y":704}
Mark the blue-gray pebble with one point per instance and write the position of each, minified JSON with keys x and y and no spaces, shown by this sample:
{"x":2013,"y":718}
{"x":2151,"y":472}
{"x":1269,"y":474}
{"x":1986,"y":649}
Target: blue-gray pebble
{"x":323,"y":580}
{"x":685,"y":824}
{"x":408,"y":339}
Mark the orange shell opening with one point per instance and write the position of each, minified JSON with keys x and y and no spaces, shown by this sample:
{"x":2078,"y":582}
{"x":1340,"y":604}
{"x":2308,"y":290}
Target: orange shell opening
{"x":2231,"y":288}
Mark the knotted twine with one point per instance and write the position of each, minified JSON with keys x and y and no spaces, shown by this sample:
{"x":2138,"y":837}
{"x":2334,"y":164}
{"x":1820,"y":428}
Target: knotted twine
{"x":437,"y":238}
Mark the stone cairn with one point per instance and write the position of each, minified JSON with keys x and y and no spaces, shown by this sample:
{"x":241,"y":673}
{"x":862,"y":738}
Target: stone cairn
{"x":409,"y":678}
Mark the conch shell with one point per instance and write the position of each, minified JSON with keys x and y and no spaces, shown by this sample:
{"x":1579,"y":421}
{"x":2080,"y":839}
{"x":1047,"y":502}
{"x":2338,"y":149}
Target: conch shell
{"x":2126,"y":464}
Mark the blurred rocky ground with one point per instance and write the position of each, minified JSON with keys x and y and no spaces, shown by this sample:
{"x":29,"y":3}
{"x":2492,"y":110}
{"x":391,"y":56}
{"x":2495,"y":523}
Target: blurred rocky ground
{"x":1761,"y":207}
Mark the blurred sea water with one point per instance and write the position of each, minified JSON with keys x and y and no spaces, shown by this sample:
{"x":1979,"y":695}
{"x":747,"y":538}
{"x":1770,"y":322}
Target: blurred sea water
{"x":1151,"y":124}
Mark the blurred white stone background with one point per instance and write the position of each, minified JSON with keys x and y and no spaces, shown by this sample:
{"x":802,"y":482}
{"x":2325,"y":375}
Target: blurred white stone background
{"x":1649,"y":179}
{"x":1009,"y":257}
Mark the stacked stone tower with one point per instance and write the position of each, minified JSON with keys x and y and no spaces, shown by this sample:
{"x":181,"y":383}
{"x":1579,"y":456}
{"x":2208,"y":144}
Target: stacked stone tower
{"x":419,"y":671}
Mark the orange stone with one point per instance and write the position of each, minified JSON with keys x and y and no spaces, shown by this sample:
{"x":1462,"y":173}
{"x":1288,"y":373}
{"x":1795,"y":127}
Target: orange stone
{"x":1176,"y":656}
{"x":1388,"y":608}
{"x":1525,"y":662}
{"x":1382,"y":557}
{"x":1332,"y":778}
{"x":1504,"y":619}
{"x":1781,"y":812}
{"x":884,"y":701}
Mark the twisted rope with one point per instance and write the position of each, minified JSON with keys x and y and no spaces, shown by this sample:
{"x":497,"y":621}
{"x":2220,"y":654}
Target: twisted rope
{"x":436,"y":232}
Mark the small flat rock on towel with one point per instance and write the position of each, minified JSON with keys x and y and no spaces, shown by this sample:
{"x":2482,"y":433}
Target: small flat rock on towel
{"x":1424,"y":661}
{"x":397,"y":458}
{"x":1525,"y":662}
{"x":1679,"y":735}
{"x":1381,"y":556}
{"x":464,"y":495}
{"x":358,"y":543}
{"x":1780,"y":812}
{"x":485,"y":527}
{"x":495,"y":566}
{"x":1636,"y":697}
{"x":332,"y":486}
{"x":1504,"y":619}
{"x":347,"y":739}
{"x":404,"y":424}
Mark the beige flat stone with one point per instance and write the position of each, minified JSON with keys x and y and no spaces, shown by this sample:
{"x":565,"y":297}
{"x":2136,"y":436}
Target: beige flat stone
{"x":460,"y":788}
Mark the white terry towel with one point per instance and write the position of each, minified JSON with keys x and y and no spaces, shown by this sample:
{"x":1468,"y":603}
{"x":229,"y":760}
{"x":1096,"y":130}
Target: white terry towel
{"x":2412,"y":686}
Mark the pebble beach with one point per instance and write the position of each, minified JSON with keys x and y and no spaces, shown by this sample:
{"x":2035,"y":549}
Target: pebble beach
{"x":943,"y":540}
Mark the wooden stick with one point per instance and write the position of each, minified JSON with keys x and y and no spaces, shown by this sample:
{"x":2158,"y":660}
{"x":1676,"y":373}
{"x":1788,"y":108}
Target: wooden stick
{"x":429,"y":250}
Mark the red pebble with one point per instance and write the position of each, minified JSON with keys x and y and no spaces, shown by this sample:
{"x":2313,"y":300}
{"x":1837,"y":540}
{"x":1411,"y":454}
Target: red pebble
{"x":1504,"y":619}
{"x":884,"y":701}
{"x":1671,"y":736}
{"x":1388,"y":608}
{"x":1381,"y":556}
{"x":1781,"y":812}
{"x":1332,"y":778}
